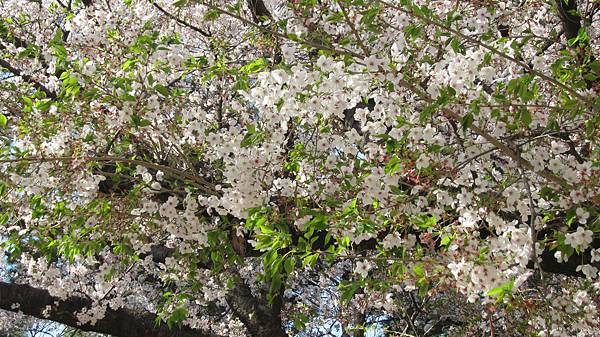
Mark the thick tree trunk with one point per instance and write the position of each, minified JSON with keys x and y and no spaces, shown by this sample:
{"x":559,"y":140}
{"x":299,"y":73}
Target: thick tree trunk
{"x":259,"y":318}
{"x":123,"y":322}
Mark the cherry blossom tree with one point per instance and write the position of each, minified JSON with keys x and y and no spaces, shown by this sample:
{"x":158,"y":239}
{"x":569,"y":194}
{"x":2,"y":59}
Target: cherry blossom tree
{"x":302,"y":167}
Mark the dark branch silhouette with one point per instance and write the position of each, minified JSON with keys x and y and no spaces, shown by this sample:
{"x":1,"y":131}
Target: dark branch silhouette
{"x":122,"y":322}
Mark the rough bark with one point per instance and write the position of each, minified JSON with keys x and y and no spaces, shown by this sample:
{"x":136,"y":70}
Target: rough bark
{"x":572,"y":21}
{"x":567,"y":11}
{"x":122,"y":322}
{"x":259,"y":318}
{"x":259,"y":10}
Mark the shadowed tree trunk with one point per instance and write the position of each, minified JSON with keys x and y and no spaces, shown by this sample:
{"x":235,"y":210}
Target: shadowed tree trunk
{"x":258,"y":317}
{"x":567,"y":11}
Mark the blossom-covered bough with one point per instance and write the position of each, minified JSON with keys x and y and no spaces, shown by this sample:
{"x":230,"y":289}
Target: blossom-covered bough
{"x":272,"y":168}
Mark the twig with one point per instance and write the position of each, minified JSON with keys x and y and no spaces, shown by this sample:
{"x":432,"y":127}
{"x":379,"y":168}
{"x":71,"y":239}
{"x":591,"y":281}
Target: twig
{"x":176,"y":173}
{"x":114,"y":285}
{"x":284,"y":36}
{"x":532,"y":216}
{"x":182,"y":22}
{"x":353,"y":28}
{"x":27,"y":78}
{"x":490,"y":48}
{"x":548,"y":175}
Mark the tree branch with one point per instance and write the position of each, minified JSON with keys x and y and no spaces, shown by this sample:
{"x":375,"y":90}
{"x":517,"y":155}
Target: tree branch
{"x":567,"y":11}
{"x":258,"y":317}
{"x":182,"y":22}
{"x":259,"y":10}
{"x":122,"y":322}
{"x":27,"y":78}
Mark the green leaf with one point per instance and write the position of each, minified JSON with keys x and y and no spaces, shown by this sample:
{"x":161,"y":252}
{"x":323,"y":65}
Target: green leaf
{"x":252,"y":136}
{"x":392,"y":166}
{"x":427,"y":112}
{"x":581,"y":36}
{"x":487,"y":58}
{"x":350,"y":209}
{"x":43,"y":105}
{"x":425,"y":222}
{"x":348,"y":291}
{"x":274,"y":288}
{"x":300,"y":320}
{"x":3,"y":121}
{"x":254,"y":66}
{"x":276,"y":268}
{"x":161,"y":89}
{"x":501,"y":290}
{"x":525,"y":116}
{"x":457,"y":47}
{"x":139,"y":122}
{"x":211,"y":15}
{"x":467,"y":121}
{"x":177,"y":316}
{"x":419,"y":271}
{"x":310,"y":259}
{"x":289,"y":265}
{"x":128,"y":65}
{"x":495,"y":292}
{"x":446,"y":239}
{"x":28,"y":102}
{"x":369,"y":15}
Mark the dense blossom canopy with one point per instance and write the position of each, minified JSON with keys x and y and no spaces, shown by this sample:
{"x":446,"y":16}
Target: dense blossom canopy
{"x":302,"y":167}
